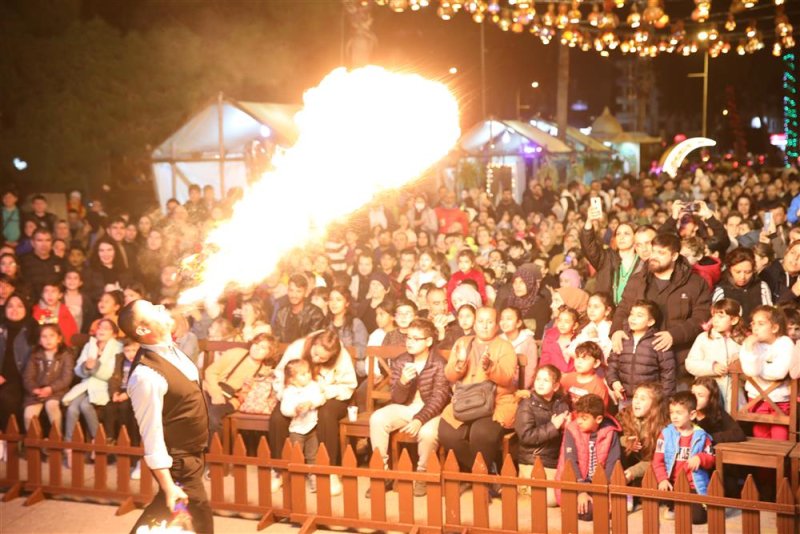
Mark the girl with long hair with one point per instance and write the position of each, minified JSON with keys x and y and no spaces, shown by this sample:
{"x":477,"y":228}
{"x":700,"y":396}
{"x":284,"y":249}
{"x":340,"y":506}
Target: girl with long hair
{"x":642,"y":422}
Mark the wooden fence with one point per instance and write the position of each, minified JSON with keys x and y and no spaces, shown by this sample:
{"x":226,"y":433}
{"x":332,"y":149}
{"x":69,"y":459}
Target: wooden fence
{"x":242,"y":484}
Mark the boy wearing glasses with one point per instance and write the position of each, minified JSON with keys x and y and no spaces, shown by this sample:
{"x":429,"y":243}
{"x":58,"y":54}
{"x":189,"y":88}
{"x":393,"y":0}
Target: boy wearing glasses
{"x":420,"y":391}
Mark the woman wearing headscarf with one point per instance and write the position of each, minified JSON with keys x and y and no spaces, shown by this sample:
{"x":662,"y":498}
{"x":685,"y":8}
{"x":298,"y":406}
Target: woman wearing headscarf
{"x":16,"y":334}
{"x":529,"y":297}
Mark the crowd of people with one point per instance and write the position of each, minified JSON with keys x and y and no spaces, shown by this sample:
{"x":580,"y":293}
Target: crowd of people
{"x":598,"y":322}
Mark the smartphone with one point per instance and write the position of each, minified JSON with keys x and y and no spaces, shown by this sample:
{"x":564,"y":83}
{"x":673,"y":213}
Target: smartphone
{"x":597,"y":203}
{"x":767,"y":219}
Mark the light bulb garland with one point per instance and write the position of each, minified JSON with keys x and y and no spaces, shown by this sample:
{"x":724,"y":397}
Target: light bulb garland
{"x":791,"y":126}
{"x":647,"y":28}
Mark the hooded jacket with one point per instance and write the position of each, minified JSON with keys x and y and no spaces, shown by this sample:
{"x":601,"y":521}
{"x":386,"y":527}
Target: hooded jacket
{"x":685,"y":305}
{"x":538,"y":437}
{"x":709,"y":269}
{"x":639,"y":363}
{"x":575,"y":448}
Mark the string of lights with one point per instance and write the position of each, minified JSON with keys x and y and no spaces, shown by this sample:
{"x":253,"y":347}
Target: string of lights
{"x":790,"y":118}
{"x":647,"y":30}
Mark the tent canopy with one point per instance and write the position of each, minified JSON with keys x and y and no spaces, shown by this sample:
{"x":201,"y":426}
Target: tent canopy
{"x":579,"y":140}
{"x":193,"y":153}
{"x":496,"y":137}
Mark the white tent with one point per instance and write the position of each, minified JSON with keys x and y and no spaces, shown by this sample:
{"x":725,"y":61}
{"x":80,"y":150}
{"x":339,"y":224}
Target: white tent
{"x":213,"y":147}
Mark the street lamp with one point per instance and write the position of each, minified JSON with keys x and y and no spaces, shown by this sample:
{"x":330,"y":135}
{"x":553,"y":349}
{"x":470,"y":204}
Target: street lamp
{"x":453,"y":70}
{"x":520,"y":105}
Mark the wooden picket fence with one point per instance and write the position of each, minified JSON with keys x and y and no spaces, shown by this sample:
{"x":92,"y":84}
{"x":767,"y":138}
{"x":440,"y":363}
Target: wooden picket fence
{"x":443,"y":509}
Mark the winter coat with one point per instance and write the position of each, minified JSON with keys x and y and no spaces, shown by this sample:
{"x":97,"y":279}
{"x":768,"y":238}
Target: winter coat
{"x":779,"y":281}
{"x":431,"y":383}
{"x":605,"y":261}
{"x":710,"y":348}
{"x":552,"y":353}
{"x":40,"y":373}
{"x":22,"y":346}
{"x":685,"y":305}
{"x":754,"y":294}
{"x":642,"y":363}
{"x":309,"y":319}
{"x":64,"y":320}
{"x":95,"y":380}
{"x":538,"y":437}
{"x":575,"y":449}
{"x":767,"y":364}
{"x":709,"y":269}
{"x":723,"y":430}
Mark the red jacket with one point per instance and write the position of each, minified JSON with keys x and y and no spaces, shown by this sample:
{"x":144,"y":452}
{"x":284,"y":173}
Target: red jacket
{"x":710,"y":269}
{"x":458,"y":277}
{"x":448,"y":216}
{"x":552,"y":353}
{"x":575,"y":449}
{"x":65,"y":321}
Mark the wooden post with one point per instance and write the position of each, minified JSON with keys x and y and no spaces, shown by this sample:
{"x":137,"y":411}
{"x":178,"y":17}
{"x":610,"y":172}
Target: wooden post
{"x":239,"y":471}
{"x":350,"y":484}
{"x":324,"y":505}
{"x":54,"y":458}
{"x":100,"y":460}
{"x":452,"y":496}
{"x":405,"y":489}
{"x":538,"y":499}
{"x":785,"y":522}
{"x":600,"y":508}
{"x":716,"y":514}
{"x":649,"y":504}
{"x":750,"y":518}
{"x":434,"y":493}
{"x":34,"y":459}
{"x":13,"y":438}
{"x":480,"y":494}
{"x":619,"y":505}
{"x":217,"y":471}
{"x":509,"y":497}
{"x":569,"y":501}
{"x":297,"y":481}
{"x":683,"y":510}
{"x":377,"y":490}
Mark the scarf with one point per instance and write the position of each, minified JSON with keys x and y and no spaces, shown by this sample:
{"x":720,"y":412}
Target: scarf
{"x":530,"y":275}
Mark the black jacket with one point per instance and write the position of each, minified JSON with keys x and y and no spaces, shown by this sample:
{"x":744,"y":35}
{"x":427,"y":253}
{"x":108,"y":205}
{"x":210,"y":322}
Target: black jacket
{"x":685,"y":305}
{"x":536,"y":433}
{"x":605,"y":261}
{"x":634,"y":366}
{"x":308,"y":320}
{"x":723,"y":430}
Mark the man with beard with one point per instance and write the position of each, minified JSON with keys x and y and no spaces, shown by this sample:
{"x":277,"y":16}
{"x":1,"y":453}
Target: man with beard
{"x":298,"y":317}
{"x":683,"y":298}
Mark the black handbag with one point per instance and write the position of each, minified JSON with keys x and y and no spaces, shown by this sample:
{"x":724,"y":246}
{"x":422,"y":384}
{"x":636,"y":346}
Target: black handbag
{"x":473,"y":401}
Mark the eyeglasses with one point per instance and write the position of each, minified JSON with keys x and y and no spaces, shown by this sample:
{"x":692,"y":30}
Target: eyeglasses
{"x":409,"y":338}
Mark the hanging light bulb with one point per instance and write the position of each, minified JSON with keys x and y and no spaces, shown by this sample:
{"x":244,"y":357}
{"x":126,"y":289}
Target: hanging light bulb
{"x":740,"y":48}
{"x":634,"y":18}
{"x":493,"y":7}
{"x":701,"y":11}
{"x":595,"y":16}
{"x":619,"y":3}
{"x":574,"y":13}
{"x":749,"y":3}
{"x":778,"y":2}
{"x":730,"y":23}
{"x":750,"y":30}
{"x":549,"y":18}
{"x":504,"y":20}
{"x":678,"y":33}
{"x":562,"y":19}
{"x":784,"y":32}
{"x":398,"y":6}
{"x":536,"y":25}
{"x":777,"y":50}
{"x":713,"y":33}
{"x":445,"y":12}
{"x":654,"y":14}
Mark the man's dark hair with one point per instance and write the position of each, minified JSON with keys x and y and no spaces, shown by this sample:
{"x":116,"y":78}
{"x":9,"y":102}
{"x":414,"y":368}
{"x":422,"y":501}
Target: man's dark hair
{"x":685,"y":399}
{"x":116,"y":220}
{"x":645,"y":228}
{"x":127,"y":320}
{"x":591,"y":404}
{"x":405,"y":302}
{"x":41,"y":230}
{"x":34,"y":198}
{"x":426,"y":326}
{"x":299,"y":280}
{"x":670,"y":241}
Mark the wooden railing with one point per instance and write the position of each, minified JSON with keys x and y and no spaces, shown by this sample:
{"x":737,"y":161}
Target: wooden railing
{"x":442,"y":510}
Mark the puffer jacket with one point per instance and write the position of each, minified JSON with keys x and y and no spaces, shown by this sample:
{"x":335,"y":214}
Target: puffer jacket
{"x":642,"y":363}
{"x":432,"y":384}
{"x":685,"y":305}
{"x":57,"y":374}
{"x":537,"y":435}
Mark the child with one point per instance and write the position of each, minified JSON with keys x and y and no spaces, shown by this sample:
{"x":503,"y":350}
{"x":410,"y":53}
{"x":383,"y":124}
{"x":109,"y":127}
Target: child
{"x":599,"y":311}
{"x":684,"y":446}
{"x":301,"y":398}
{"x":95,"y":366}
{"x":50,"y":310}
{"x":584,"y":380}
{"x":766,"y":355}
{"x":514,"y":331}
{"x":710,"y":414}
{"x":466,"y":271}
{"x":47,"y":376}
{"x":539,"y":424}
{"x":119,"y":410}
{"x":642,"y":422}
{"x":465,"y":321}
{"x":589,"y":440}
{"x":639,"y":362}
{"x":557,"y":338}
{"x":713,"y":351}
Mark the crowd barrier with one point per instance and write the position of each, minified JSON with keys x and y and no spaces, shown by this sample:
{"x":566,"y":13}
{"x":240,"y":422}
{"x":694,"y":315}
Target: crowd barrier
{"x":241,"y":484}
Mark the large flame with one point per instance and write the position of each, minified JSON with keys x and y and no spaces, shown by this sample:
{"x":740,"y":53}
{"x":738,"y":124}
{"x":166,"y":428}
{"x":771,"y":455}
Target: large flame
{"x":360,"y":132}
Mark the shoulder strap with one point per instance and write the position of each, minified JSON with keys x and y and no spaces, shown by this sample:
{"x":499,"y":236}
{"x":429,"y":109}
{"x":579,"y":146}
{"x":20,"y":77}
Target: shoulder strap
{"x":230,"y":373}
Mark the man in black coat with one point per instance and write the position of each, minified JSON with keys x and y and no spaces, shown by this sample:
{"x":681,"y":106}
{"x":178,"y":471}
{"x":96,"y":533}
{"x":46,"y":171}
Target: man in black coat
{"x":682,"y":297}
{"x":298,"y":317}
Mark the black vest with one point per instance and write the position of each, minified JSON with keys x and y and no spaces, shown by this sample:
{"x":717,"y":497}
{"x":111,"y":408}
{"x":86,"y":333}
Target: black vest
{"x":184,"y":416}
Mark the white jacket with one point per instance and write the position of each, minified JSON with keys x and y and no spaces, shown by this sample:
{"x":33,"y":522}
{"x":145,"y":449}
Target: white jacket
{"x":710,"y":348}
{"x":338,"y":382}
{"x":95,"y":380}
{"x":603,"y":338}
{"x":294,"y":396}
{"x":768,"y":364}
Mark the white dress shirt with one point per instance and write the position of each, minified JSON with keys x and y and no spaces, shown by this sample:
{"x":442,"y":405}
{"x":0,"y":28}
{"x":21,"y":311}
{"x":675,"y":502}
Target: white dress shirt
{"x":146,"y":389}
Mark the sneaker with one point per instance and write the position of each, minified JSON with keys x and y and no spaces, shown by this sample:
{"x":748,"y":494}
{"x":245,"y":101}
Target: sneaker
{"x":629,"y":503}
{"x":312,"y":483}
{"x":668,"y":515}
{"x":136,"y":472}
{"x":336,"y":485}
{"x":420,"y":488}
{"x":277,"y":481}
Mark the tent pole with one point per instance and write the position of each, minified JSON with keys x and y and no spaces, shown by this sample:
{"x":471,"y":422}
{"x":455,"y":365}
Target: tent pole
{"x":221,"y":145}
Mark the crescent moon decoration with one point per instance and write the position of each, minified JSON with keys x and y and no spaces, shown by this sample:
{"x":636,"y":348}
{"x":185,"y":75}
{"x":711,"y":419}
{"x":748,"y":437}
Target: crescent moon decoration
{"x":674,"y":157}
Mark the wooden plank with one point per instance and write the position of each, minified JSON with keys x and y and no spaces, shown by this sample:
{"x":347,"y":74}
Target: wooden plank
{"x":405,"y":489}
{"x":649,"y":504}
{"x":217,"y":471}
{"x":12,"y":493}
{"x":538,"y":500}
{"x":36,"y":497}
{"x":239,"y":472}
{"x":452,"y":496}
{"x":716,"y":514}
{"x":377,"y":489}
{"x":480,"y":494}
{"x":785,"y":522}
{"x":618,"y":503}
{"x":34,"y":457}
{"x":266,"y":519}
{"x":100,"y":461}
{"x":124,"y":464}
{"x":434,"y":508}
{"x":600,"y":505}
{"x":569,"y":502}
{"x":297,"y":481}
{"x":323,"y":485}
{"x":128,"y":505}
{"x":264,"y":475}
{"x":751,"y":523}
{"x":509,"y":497}
{"x":349,"y":484}
{"x":683,"y":510}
